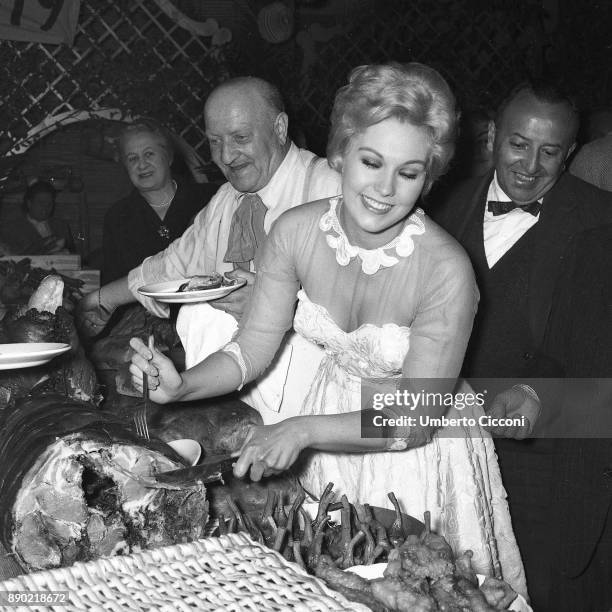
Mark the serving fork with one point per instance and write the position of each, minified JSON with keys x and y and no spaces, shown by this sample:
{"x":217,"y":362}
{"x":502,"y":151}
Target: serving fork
{"x":140,"y":417}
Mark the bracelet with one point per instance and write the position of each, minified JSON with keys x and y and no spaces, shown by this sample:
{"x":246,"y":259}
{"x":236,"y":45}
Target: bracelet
{"x":100,"y":305}
{"x":530,"y":391}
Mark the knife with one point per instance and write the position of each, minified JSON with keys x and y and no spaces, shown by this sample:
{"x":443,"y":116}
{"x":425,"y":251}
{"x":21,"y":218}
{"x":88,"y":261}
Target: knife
{"x":210,"y":469}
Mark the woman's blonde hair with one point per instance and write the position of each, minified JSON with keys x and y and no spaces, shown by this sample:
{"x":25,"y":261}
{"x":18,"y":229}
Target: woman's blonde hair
{"x":414,"y":93}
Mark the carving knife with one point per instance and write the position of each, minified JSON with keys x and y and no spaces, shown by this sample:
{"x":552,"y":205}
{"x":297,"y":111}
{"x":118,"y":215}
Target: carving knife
{"x":210,"y":469}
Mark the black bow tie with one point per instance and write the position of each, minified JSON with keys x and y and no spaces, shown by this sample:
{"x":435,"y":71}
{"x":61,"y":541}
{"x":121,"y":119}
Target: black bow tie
{"x":501,"y":208}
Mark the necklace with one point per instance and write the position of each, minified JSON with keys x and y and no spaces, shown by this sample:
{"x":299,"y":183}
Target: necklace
{"x":169,"y":201}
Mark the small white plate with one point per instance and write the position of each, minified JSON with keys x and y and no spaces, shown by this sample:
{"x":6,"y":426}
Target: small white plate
{"x":189,"y":450}
{"x":29,"y":354}
{"x":168,"y":292}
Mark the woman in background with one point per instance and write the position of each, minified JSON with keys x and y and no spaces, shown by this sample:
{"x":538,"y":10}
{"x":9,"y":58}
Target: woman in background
{"x":391,"y":297}
{"x":157,"y":211}
{"x":37,"y":231}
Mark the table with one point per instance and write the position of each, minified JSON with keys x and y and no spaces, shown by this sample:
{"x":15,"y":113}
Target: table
{"x":228,"y":573}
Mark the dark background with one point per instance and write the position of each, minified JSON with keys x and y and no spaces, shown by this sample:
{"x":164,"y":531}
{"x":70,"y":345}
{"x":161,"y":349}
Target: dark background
{"x":130,"y":56}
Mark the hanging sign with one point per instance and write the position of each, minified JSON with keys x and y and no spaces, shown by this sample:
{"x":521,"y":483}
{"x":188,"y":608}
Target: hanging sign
{"x":43,"y":21}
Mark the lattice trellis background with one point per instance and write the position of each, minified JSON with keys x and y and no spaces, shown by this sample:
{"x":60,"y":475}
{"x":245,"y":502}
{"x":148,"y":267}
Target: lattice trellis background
{"x":130,"y":55}
{"x":127,"y":55}
{"x":480,"y":47}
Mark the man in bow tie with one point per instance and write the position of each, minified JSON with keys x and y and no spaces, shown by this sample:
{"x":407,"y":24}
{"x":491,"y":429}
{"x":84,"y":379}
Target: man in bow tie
{"x":247,"y":130}
{"x":516,"y":224}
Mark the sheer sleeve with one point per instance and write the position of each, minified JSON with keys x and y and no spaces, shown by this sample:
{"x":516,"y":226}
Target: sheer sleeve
{"x":271,"y":309}
{"x":438,"y":341}
{"x":443,"y":323}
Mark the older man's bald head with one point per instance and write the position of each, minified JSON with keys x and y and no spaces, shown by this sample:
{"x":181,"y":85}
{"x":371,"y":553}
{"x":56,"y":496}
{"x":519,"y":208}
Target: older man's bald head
{"x":246,"y":128}
{"x":251,"y":87}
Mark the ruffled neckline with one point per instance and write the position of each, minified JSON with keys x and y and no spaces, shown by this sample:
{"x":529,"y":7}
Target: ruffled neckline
{"x":372,"y":260}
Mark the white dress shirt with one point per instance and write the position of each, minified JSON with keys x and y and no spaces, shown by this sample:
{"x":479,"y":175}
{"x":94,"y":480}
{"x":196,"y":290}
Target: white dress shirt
{"x":301,"y":177}
{"x":501,"y":232}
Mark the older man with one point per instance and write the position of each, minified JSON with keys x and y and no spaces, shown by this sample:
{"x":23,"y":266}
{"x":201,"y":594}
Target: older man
{"x":516,"y":224}
{"x":267,"y":174}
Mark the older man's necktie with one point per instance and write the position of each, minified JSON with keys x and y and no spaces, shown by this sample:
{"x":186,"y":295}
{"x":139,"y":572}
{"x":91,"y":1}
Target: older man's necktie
{"x":501,"y":208}
{"x":247,"y":235}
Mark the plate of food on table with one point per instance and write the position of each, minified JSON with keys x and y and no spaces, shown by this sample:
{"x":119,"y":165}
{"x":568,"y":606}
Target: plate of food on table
{"x":77,"y":484}
{"x":29,"y":354}
{"x":380,"y":558}
{"x":201,"y":288}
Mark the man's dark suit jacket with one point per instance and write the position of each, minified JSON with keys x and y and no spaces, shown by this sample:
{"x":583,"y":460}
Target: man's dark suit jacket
{"x":579,"y":337}
{"x":569,"y":208}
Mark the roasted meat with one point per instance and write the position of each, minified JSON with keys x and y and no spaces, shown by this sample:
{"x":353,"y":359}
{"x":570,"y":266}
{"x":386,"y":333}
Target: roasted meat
{"x":204,"y":281}
{"x":44,"y":319}
{"x":422,"y":573}
{"x":498,"y":593}
{"x":75,"y":485}
{"x":464,"y":569}
{"x":350,"y":585}
{"x":431,"y":559}
{"x":403,"y":595}
{"x":449,"y":596}
{"x":19,"y":280}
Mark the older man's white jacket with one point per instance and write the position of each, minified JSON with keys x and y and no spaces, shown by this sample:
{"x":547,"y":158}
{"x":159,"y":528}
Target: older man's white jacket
{"x":301,"y":177}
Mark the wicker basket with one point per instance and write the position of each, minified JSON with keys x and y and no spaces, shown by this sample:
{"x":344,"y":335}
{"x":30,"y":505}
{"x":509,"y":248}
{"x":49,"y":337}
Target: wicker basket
{"x":228,"y":573}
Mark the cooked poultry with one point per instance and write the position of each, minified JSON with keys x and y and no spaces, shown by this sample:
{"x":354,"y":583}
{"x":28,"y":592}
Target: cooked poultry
{"x":350,"y":585}
{"x":448,"y":596}
{"x":403,"y":595}
{"x":422,"y":574}
{"x":478,"y":602}
{"x":498,"y":593}
{"x":463,"y":567}
{"x":431,"y":558}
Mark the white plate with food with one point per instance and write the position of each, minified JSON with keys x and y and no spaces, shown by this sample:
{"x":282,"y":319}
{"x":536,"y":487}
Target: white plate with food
{"x":29,"y":354}
{"x":203,"y":288}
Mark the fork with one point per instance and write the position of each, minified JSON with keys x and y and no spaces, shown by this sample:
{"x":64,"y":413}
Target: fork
{"x":140,"y":417}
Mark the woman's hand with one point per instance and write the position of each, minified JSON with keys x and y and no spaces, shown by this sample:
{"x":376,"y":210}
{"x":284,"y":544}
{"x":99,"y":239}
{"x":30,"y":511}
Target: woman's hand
{"x":270,"y":449}
{"x":164,"y":381}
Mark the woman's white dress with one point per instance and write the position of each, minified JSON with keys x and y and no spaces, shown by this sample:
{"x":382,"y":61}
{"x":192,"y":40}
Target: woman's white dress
{"x":456,"y":476}
{"x":403,"y":310}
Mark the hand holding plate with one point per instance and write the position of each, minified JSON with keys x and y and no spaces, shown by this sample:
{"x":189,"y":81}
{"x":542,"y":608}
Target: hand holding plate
{"x":236,"y":302}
